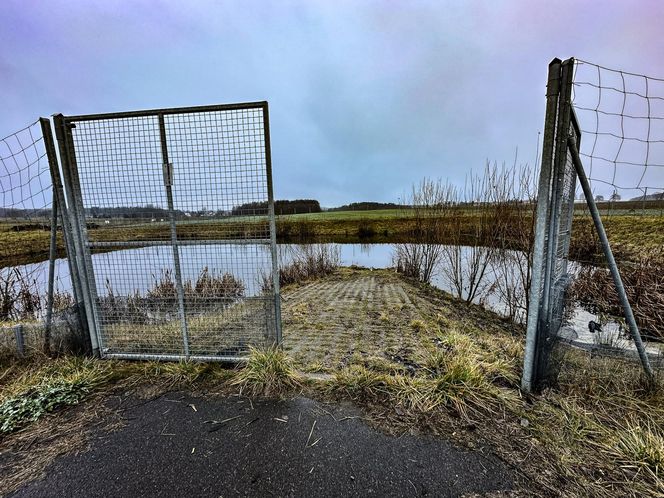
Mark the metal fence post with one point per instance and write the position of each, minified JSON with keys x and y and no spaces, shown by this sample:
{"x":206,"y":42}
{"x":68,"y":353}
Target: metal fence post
{"x":67,"y":232}
{"x":168,"y":184}
{"x":20,"y":340}
{"x":546,"y":318}
{"x":543,"y":195}
{"x":273,"y":227}
{"x":51,"y":274}
{"x":79,"y":231}
{"x":613,"y":267}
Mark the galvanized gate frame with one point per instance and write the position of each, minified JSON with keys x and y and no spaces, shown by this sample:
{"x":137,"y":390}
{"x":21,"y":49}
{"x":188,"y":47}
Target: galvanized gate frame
{"x":79,"y":245}
{"x":553,"y":224}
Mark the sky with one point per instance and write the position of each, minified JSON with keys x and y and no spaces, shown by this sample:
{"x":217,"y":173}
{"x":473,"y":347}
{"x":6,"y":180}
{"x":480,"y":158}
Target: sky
{"x":366,"y":97}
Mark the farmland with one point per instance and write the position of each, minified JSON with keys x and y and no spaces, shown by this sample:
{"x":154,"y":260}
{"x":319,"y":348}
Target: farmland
{"x":632,"y":230}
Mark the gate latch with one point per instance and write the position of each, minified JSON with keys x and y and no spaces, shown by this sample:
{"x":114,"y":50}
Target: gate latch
{"x":168,"y":174}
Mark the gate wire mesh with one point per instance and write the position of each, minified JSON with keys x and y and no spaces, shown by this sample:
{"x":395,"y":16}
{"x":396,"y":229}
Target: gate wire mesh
{"x":25,"y":225}
{"x":561,"y":214}
{"x":180,"y":258}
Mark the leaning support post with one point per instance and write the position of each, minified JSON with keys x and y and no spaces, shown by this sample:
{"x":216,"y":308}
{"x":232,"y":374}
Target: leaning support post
{"x":539,"y":246}
{"x":65,"y":222}
{"x":52,"y":254}
{"x":613,"y":267}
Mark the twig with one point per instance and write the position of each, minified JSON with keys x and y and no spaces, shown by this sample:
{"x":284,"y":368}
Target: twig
{"x":310,"y":434}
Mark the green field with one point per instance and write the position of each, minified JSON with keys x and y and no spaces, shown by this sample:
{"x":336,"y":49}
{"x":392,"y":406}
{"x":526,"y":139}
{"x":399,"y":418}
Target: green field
{"x":23,"y":242}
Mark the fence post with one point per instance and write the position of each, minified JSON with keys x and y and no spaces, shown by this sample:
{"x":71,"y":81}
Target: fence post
{"x":51,"y":274}
{"x":20,"y":340}
{"x":67,"y":232}
{"x":273,"y":227}
{"x":168,"y":184}
{"x":78,"y":229}
{"x":543,"y":195}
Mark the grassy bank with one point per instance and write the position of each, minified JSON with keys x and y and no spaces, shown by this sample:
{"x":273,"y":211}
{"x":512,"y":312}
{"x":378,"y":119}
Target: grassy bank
{"x":632,"y":232}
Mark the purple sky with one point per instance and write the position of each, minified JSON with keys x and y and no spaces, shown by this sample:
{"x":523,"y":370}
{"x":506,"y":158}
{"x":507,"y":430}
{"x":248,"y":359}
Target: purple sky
{"x":365,"y":97}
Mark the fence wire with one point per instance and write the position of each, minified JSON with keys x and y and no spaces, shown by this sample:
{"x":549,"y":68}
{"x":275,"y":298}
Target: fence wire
{"x":26,"y":201}
{"x":621,"y":119}
{"x":180,"y":199}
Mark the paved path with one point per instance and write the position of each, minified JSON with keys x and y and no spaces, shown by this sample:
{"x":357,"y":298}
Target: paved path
{"x":181,"y":445}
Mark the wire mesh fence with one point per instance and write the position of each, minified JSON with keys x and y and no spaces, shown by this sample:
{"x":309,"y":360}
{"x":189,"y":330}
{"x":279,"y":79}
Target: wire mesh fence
{"x":622,"y":120}
{"x":26,"y":223}
{"x":621,"y":115}
{"x":619,"y":150}
{"x":183,"y":199}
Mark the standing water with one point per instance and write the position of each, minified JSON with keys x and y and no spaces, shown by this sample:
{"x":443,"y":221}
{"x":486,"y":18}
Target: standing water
{"x":147,"y":265}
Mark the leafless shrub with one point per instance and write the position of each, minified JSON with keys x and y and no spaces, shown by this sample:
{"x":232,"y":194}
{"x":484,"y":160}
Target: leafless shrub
{"x":20,"y":298}
{"x":479,"y":238}
{"x":432,"y":205}
{"x":306,"y":262}
{"x":208,"y":291}
{"x":515,"y":230}
{"x":467,"y":268}
{"x":62,"y":301}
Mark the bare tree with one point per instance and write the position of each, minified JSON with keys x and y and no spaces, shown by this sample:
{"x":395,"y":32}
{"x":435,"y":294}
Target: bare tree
{"x":431,"y":204}
{"x":468,"y":255}
{"x":515,"y":238}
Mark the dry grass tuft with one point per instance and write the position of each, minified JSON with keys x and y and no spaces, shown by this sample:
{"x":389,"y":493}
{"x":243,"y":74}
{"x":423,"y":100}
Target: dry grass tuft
{"x":268,"y":372}
{"x":640,"y":446}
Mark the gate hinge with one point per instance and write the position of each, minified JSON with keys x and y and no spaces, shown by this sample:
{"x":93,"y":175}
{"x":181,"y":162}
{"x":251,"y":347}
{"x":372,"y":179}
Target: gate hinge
{"x":168,"y":174}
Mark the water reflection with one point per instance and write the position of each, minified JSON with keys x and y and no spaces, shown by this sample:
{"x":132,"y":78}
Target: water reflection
{"x":136,"y":270}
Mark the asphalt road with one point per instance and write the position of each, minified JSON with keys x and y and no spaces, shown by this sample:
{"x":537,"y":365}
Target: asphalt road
{"x":180,"y":445}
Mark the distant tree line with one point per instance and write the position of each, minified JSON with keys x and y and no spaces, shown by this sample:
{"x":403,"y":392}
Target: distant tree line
{"x":129,"y":212}
{"x":25,"y":213}
{"x":367,"y":206}
{"x":297,"y":206}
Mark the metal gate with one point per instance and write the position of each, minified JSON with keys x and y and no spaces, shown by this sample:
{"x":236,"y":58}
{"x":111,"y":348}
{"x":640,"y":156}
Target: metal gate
{"x":173,"y":225}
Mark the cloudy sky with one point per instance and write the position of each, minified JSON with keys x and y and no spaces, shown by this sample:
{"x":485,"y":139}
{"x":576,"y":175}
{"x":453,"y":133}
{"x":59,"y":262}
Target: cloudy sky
{"x":366,"y":97}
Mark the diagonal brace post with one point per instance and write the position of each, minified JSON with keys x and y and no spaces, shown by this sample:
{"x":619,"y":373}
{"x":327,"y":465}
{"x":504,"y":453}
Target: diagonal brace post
{"x":613,"y":267}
